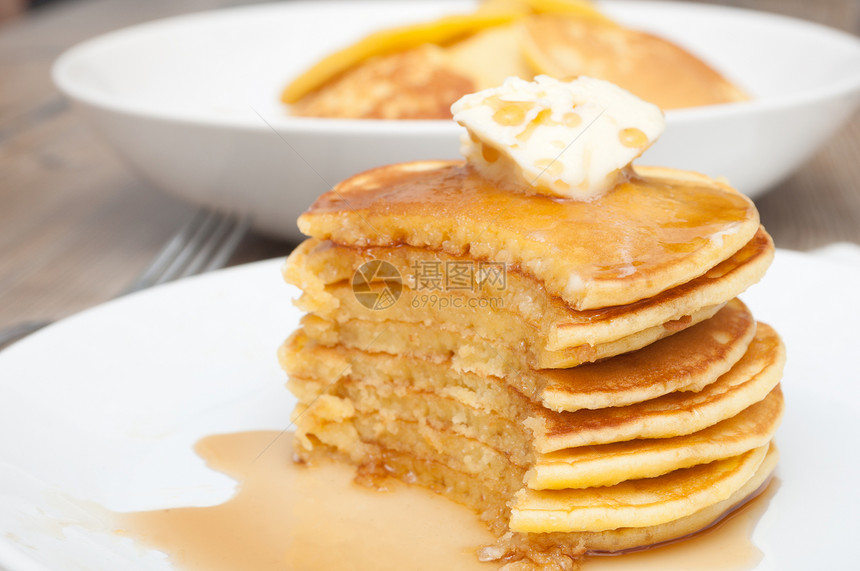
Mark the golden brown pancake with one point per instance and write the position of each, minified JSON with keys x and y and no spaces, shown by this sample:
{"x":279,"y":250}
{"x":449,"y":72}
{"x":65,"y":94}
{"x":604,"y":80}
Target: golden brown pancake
{"x":685,"y":361}
{"x":490,"y":56}
{"x":414,"y":84}
{"x":444,"y":30}
{"x":551,"y":334}
{"x":661,"y":229}
{"x":609,"y":464}
{"x":650,"y":67}
{"x":625,"y":538}
{"x":634,"y":503}
{"x":323,"y":269}
{"x":469,"y":352}
{"x":487,"y":355}
{"x":749,"y":381}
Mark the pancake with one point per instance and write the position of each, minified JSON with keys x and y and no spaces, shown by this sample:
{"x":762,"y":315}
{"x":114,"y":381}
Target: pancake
{"x":392,"y":41}
{"x":490,"y":56}
{"x":446,"y":412}
{"x":634,"y":503}
{"x":508,"y":327}
{"x":418,"y":83}
{"x":748,"y":382}
{"x":626,"y":538}
{"x":648,"y":66}
{"x":318,"y":366}
{"x":322,"y":270}
{"x":609,"y":464}
{"x":470,"y":352}
{"x":685,"y":361}
{"x":661,"y":229}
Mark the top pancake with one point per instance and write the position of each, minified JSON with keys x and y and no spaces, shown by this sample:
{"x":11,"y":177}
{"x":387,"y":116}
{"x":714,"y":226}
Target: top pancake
{"x":661,"y":229}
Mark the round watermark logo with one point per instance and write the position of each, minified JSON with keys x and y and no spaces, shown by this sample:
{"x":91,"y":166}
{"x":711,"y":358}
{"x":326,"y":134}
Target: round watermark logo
{"x":377,"y":284}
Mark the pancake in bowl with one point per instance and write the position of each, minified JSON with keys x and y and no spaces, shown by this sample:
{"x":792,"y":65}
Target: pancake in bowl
{"x":418,"y":71}
{"x":415,"y":84}
{"x":654,"y":69}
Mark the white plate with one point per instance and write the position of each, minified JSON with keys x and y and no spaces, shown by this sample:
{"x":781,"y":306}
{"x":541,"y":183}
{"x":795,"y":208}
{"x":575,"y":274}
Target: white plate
{"x":184,"y":99}
{"x":105,"y":406}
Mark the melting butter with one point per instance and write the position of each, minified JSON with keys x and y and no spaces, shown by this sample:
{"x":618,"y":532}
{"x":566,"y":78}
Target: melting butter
{"x":569,"y":139}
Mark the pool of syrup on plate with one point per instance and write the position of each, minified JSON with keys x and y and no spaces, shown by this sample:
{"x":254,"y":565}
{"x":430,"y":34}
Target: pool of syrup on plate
{"x":285,"y":516}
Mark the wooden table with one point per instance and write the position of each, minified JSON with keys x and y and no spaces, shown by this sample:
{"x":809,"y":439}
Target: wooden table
{"x":76,"y":225}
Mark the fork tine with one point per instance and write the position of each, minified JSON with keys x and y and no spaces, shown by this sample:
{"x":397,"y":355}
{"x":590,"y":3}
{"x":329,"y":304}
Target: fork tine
{"x":168,"y":254}
{"x":210,"y":247}
{"x":197,"y":240}
{"x":204,"y":244}
{"x":228,"y":247}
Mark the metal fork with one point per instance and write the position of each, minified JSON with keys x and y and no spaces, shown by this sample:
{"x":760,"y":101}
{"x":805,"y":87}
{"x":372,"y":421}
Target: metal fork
{"x":203,"y":244}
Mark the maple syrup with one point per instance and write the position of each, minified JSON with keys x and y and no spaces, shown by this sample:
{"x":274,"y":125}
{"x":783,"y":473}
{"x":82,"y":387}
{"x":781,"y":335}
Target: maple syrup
{"x":287,"y":516}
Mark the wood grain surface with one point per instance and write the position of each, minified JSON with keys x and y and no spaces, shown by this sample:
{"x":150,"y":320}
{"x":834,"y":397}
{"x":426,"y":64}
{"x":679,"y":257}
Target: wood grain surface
{"x":77,"y":225}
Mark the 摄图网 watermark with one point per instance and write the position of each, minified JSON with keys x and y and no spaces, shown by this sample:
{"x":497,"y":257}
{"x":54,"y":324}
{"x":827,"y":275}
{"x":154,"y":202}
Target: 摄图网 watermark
{"x":434,"y":284}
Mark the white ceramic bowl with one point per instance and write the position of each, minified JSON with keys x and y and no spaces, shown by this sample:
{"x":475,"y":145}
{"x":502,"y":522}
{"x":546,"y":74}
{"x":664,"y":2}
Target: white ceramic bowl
{"x":192,"y":102}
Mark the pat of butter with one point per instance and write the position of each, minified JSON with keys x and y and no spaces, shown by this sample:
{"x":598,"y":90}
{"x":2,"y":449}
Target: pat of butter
{"x":569,"y":139}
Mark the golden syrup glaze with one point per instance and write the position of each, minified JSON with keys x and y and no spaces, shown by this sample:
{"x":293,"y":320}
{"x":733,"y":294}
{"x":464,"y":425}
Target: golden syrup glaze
{"x":288,"y":516}
{"x":659,"y":229}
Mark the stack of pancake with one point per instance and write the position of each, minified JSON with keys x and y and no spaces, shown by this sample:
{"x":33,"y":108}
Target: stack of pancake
{"x":579,"y":373}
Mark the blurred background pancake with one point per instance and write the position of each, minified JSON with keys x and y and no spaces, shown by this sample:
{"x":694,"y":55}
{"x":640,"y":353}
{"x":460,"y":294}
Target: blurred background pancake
{"x":393,"y":75}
